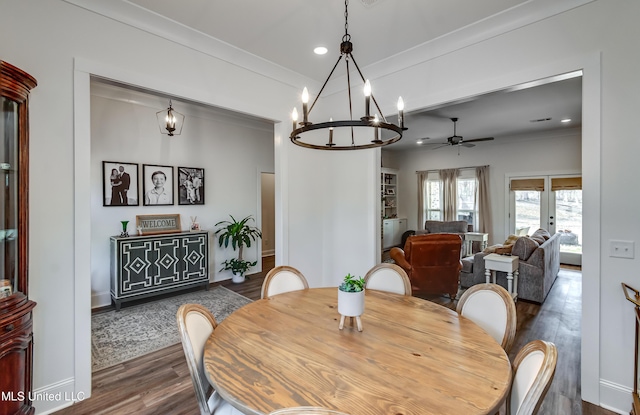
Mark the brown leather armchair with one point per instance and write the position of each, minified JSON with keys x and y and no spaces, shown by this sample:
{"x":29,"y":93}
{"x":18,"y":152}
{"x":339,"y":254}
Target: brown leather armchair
{"x":432,"y":262}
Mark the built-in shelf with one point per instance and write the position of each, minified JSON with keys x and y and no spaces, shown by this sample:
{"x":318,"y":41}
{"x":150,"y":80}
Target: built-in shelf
{"x":389,"y":193}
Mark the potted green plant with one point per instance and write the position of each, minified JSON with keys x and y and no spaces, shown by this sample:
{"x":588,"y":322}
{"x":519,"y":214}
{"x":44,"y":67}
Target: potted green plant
{"x":351,"y":297}
{"x":238,"y":234}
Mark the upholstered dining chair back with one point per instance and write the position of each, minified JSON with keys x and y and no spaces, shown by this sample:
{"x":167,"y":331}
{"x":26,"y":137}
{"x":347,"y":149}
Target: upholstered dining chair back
{"x":533,"y":371}
{"x":196,"y":324}
{"x":388,"y":277}
{"x":283,"y":279}
{"x":491,"y":307}
{"x":432,"y":262}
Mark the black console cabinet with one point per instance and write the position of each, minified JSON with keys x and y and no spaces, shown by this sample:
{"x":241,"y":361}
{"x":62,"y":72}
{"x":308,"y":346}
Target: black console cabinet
{"x":143,"y":266}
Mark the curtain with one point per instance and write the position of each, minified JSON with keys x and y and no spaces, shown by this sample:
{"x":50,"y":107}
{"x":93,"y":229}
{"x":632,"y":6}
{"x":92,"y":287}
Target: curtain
{"x":450,"y":194}
{"x":422,"y":198}
{"x":483,"y":204}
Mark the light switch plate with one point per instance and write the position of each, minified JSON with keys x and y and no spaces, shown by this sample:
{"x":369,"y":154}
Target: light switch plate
{"x":621,"y":249}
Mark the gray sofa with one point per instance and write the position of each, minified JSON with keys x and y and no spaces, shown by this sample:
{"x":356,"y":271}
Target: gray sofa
{"x":538,"y":266}
{"x":436,"y":226}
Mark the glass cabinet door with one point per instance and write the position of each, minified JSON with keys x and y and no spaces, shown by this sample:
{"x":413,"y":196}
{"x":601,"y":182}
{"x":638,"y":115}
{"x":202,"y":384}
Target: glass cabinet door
{"x":16,"y":319}
{"x":15,"y":87}
{"x":9,"y":197}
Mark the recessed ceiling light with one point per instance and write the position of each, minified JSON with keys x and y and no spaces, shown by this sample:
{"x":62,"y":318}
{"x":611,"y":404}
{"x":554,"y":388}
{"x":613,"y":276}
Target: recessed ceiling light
{"x":320,"y":50}
{"x":565,"y":120}
{"x":419,"y":142}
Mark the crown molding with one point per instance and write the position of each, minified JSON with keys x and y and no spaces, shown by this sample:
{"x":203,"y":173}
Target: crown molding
{"x":524,"y":14}
{"x":137,"y":17}
{"x":509,"y":20}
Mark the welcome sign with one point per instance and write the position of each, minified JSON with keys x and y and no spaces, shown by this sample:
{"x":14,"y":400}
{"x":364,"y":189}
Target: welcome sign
{"x":156,"y":224}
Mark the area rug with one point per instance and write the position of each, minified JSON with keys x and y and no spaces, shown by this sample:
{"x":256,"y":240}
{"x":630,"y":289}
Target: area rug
{"x":118,"y":336}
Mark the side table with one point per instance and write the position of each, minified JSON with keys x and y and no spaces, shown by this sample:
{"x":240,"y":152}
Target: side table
{"x":504,"y":263}
{"x":471,"y":237}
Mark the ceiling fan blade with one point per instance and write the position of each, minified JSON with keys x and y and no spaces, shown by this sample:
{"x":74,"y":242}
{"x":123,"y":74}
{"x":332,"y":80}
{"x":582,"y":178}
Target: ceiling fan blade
{"x":479,"y":139}
{"x":440,"y":146}
{"x":465,"y":144}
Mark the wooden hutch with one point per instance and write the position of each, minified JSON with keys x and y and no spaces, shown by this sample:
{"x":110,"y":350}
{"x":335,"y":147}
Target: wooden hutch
{"x":16,"y":324}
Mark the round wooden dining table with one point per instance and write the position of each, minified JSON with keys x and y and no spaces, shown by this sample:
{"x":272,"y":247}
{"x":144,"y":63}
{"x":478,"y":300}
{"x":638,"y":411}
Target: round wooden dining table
{"x":412,"y":357}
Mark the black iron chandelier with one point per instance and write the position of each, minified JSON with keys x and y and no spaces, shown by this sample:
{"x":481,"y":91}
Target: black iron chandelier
{"x":369,"y":131}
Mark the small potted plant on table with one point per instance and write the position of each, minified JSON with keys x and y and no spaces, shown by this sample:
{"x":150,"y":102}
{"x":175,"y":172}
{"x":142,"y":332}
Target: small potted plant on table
{"x":239,"y":234}
{"x":351,"y":299}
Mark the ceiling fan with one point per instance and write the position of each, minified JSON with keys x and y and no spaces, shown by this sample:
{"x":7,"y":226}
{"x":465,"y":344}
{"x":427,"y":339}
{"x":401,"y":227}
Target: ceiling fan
{"x":457,"y":140}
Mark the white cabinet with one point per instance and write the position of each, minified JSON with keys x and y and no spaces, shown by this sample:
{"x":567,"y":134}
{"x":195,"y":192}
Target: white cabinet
{"x":387,"y":233}
{"x":392,"y":230}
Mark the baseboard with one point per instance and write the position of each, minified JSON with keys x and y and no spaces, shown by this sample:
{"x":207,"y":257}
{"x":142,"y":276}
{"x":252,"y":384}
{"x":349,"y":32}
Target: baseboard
{"x":615,"y":397}
{"x":56,"y":396}
{"x":102,"y":299}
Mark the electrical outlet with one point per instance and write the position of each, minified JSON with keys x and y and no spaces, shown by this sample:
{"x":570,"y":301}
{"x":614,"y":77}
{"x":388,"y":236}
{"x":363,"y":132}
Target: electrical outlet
{"x":621,"y":249}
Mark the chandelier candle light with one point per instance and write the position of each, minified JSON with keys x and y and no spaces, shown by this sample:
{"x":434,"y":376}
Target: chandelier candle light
{"x":300,"y":133}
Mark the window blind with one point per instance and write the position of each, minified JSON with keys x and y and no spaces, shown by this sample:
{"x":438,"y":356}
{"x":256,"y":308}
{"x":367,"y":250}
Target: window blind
{"x":527,"y":184}
{"x":566,"y":183}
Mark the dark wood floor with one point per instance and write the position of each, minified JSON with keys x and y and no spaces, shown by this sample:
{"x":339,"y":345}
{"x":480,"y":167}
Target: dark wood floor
{"x":159,"y":383}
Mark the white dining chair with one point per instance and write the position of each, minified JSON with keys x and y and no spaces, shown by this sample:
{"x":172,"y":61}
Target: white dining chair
{"x":283,"y":279}
{"x":491,"y":307}
{"x":533,"y":371}
{"x":388,"y":277}
{"x":196,"y":324}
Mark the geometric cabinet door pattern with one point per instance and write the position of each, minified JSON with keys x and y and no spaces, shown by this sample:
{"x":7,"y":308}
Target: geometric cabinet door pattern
{"x":143,"y":266}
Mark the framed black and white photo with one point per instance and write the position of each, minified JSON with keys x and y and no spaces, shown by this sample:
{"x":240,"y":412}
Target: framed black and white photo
{"x":157,"y":185}
{"x":190,"y":186}
{"x":119,"y":184}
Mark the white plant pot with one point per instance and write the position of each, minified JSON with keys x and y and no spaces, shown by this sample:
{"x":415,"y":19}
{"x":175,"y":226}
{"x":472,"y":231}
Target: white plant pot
{"x":237,"y":278}
{"x":350,"y":304}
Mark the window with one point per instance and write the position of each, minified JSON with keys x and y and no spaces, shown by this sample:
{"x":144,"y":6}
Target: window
{"x":467,"y":209}
{"x":466,"y":198}
{"x":434,"y":200}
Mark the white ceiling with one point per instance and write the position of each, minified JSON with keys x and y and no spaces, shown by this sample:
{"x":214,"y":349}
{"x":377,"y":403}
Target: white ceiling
{"x":527,"y":111}
{"x":285,"y":32}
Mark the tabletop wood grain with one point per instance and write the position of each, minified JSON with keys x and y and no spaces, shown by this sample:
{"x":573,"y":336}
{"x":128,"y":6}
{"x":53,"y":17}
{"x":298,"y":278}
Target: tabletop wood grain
{"x":413,"y":357}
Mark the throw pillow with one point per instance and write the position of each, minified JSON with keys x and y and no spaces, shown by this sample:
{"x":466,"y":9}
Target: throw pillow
{"x":539,"y":239}
{"x":542,"y":233}
{"x":524,"y":247}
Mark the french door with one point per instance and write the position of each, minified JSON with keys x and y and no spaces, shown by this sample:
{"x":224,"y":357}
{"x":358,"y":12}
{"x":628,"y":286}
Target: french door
{"x":550,"y":202}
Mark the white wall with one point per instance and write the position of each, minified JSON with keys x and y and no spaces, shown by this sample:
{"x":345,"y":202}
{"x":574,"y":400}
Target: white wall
{"x":555,"y":154}
{"x":61,"y":45}
{"x":596,"y":37}
{"x":332,"y":213}
{"x":326,"y":205}
{"x":124,"y":128}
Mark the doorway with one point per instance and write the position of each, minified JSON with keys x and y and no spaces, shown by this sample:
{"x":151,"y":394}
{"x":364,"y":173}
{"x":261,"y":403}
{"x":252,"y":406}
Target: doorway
{"x":268,"y":213}
{"x":552,"y":202}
